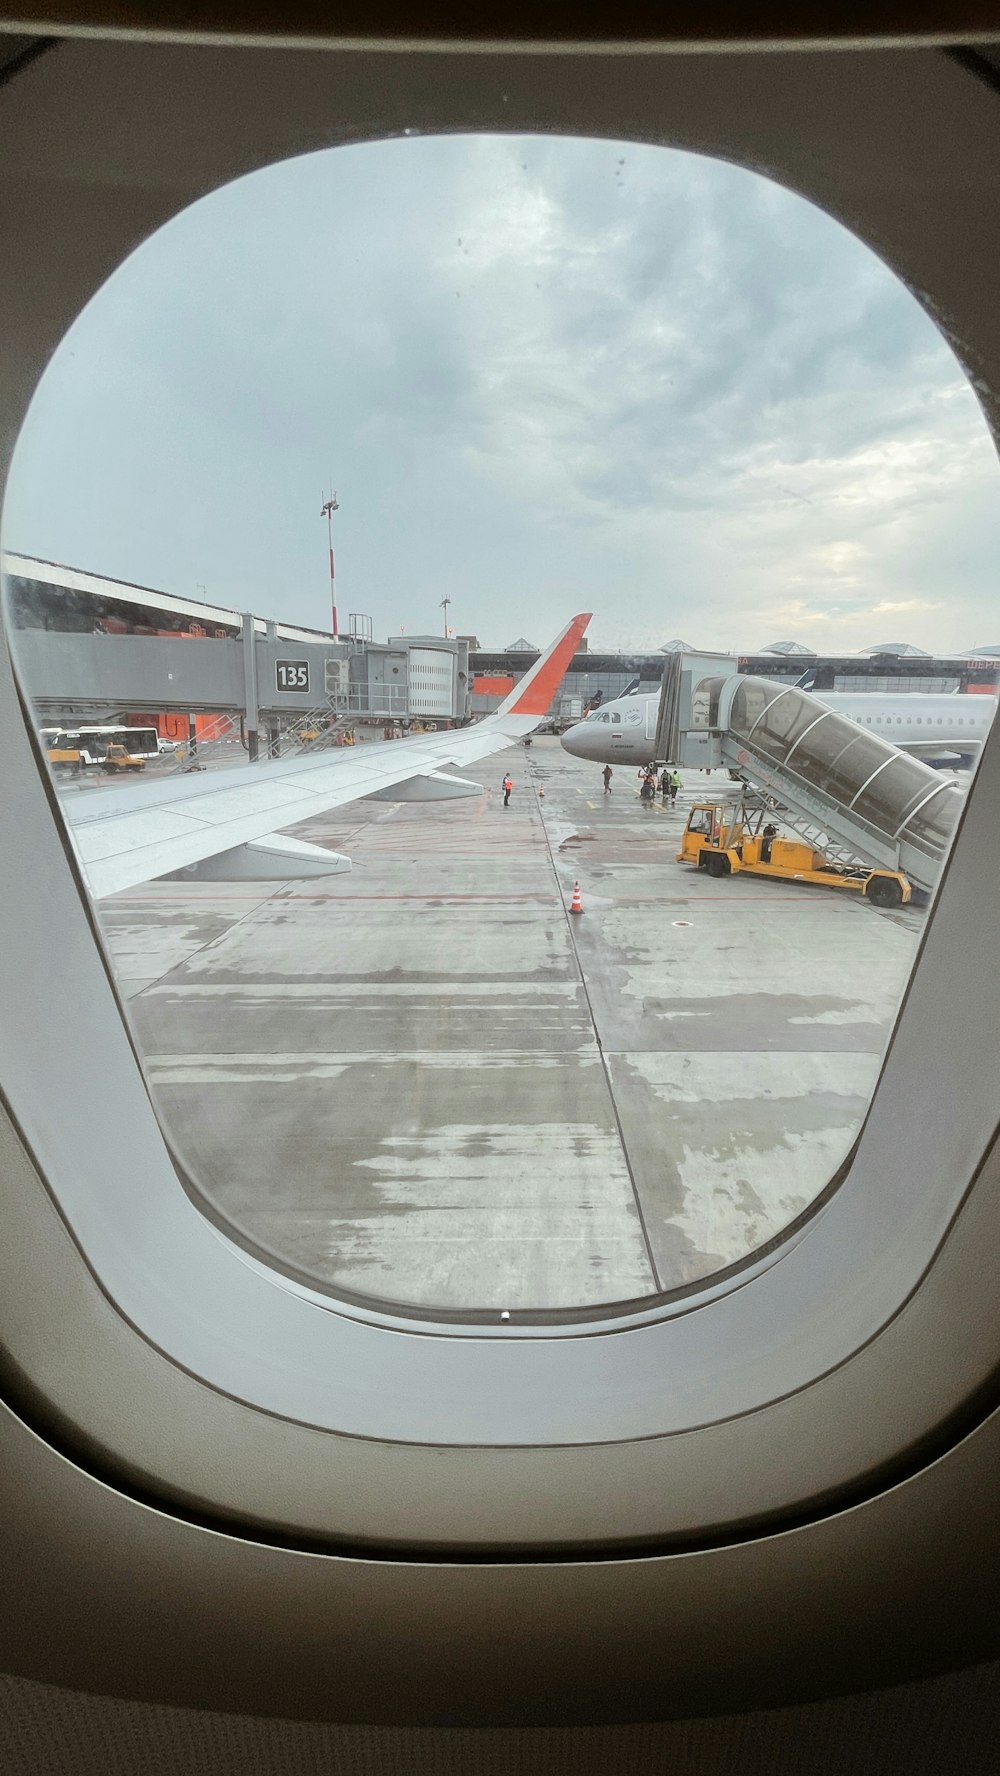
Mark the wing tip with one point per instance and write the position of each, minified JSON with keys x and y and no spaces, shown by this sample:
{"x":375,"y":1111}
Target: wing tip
{"x":543,"y":681}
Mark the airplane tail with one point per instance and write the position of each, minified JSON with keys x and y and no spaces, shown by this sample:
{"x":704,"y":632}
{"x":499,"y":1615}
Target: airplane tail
{"x":535,"y":691}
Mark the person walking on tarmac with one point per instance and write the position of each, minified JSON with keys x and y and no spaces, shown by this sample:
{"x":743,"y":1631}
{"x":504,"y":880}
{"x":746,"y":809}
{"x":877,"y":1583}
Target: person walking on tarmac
{"x":675,"y":783}
{"x":648,"y":790}
{"x":508,"y":784}
{"x":664,"y":785}
{"x":607,"y":774}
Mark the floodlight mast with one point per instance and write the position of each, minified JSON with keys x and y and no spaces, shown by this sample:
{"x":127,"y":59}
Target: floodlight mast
{"x":326,"y":511}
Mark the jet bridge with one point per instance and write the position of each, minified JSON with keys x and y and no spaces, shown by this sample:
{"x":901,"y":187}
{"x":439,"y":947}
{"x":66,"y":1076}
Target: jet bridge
{"x":850,"y":792}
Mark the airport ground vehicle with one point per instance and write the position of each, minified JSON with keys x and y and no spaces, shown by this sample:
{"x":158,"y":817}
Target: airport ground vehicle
{"x":568,"y":711}
{"x":78,"y":749}
{"x":725,"y":838}
{"x":62,"y":751}
{"x":95,"y":742}
{"x":118,"y":758}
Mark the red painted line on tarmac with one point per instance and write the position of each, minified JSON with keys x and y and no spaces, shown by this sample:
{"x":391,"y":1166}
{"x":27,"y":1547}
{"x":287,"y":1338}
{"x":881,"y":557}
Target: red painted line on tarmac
{"x":665,"y":900}
{"x":536,"y":899}
{"x":491,"y":899}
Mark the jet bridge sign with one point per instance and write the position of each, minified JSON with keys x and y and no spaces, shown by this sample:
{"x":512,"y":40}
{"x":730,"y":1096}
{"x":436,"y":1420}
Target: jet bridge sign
{"x":291,"y":675}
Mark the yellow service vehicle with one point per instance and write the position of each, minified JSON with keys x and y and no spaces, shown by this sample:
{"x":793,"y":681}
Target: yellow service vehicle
{"x":118,"y":758}
{"x":727,"y":838}
{"x":62,"y":751}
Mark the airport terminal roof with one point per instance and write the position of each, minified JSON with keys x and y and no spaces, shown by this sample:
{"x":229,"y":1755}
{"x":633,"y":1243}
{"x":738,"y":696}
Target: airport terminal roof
{"x":790,"y":647}
{"x":676,"y":647}
{"x":899,"y":648}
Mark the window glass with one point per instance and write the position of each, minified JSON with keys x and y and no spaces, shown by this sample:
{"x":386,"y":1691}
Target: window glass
{"x":455,"y":388}
{"x":889,"y":796}
{"x":784,"y":723}
{"x":839,"y":758}
{"x":751,"y":700}
{"x":933,"y":824}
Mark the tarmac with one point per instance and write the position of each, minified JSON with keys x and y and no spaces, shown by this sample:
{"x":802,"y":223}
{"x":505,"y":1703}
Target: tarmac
{"x":428,"y":1083}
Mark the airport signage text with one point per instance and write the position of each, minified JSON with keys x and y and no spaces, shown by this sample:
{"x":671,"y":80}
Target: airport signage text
{"x":291,"y":675}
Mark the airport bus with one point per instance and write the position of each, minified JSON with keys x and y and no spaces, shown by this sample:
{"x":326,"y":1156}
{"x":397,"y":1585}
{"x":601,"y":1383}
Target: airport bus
{"x":77,"y":748}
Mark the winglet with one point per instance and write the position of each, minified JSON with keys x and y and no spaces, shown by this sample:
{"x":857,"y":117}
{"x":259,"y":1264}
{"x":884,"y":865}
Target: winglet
{"x":534,"y":693}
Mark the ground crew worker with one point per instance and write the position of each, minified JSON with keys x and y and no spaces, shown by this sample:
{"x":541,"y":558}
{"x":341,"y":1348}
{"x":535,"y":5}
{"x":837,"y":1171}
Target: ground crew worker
{"x":664,"y":785}
{"x":508,"y":784}
{"x":607,"y":774}
{"x":675,"y":783}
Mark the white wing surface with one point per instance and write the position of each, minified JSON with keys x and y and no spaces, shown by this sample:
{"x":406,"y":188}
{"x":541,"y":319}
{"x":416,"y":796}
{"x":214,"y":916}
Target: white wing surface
{"x":133,"y":833}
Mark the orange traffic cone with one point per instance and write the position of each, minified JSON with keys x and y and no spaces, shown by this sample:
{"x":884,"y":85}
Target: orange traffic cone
{"x":576,"y":904}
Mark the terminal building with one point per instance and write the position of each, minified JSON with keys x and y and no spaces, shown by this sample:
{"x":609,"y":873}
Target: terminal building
{"x":91,"y":646}
{"x":602,"y":676}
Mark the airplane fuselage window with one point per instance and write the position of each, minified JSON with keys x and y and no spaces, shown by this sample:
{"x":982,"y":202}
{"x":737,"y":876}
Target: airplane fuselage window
{"x":430,"y":1022}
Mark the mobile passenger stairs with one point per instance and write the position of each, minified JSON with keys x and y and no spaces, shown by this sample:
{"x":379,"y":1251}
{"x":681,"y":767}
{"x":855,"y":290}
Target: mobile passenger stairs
{"x":732,"y":838}
{"x":847,"y":793}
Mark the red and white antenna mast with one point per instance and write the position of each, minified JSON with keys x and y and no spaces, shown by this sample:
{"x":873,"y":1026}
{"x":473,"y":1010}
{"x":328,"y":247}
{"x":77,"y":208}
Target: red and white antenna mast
{"x":326,"y":511}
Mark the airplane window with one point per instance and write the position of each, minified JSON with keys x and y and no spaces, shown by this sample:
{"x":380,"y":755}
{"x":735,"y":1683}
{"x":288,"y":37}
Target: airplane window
{"x":386,"y":1050}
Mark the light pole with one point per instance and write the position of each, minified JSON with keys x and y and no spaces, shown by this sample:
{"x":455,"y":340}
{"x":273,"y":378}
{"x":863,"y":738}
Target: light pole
{"x":444,"y":606}
{"x":326,"y":511}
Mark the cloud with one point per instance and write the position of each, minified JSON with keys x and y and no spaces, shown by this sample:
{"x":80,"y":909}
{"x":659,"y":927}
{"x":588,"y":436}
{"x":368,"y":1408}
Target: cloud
{"x":540,"y":373}
{"x":889,"y":606}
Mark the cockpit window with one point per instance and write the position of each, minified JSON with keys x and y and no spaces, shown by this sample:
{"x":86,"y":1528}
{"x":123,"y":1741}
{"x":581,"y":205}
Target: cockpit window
{"x":496,"y":1037}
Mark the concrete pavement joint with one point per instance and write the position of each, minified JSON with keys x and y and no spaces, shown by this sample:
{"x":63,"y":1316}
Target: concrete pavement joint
{"x":607,"y":1072}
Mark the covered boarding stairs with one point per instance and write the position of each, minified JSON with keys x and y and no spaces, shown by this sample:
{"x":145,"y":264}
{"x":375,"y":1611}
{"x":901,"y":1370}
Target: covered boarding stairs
{"x":850,"y":793}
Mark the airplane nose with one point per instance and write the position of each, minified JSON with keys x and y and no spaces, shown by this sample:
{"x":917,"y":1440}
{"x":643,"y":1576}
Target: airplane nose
{"x":577,"y":741}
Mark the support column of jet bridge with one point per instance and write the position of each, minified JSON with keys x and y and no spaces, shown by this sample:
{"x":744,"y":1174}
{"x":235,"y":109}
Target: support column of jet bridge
{"x":250,"y":693}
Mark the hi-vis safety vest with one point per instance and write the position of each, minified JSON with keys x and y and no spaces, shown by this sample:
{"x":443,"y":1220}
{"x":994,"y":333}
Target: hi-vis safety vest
{"x":508,"y":783}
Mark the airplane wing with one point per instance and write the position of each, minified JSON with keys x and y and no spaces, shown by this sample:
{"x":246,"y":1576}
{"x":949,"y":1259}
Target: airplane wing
{"x":948,"y":752}
{"x":134,"y":833}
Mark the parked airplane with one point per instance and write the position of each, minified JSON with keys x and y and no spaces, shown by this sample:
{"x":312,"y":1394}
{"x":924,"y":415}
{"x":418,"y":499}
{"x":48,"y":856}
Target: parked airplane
{"x":943,"y":729}
{"x":247,"y":1527}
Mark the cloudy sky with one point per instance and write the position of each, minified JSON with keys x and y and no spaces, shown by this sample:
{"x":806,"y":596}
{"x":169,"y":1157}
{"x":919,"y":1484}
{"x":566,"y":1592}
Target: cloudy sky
{"x":543,"y":376}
